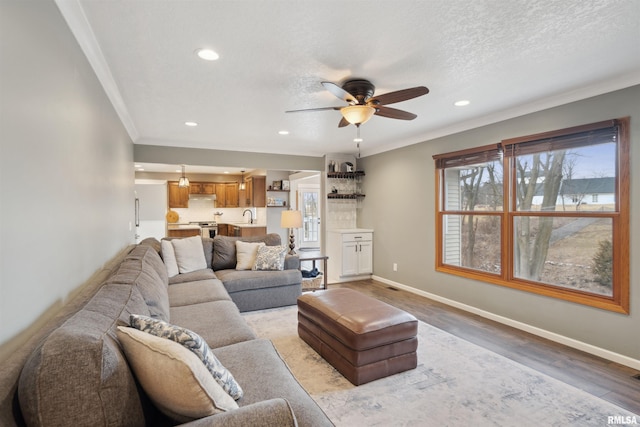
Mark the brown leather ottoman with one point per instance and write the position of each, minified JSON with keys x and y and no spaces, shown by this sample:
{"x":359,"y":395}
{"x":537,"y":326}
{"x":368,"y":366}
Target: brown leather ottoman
{"x":362,"y":337}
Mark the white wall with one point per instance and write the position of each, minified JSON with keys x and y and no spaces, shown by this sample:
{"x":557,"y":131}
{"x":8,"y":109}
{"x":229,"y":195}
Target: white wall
{"x":66,"y":167}
{"x":400,"y":207}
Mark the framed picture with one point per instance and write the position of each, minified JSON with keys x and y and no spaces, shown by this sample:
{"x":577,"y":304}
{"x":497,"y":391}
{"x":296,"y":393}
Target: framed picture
{"x":285,"y":184}
{"x":277,"y":185}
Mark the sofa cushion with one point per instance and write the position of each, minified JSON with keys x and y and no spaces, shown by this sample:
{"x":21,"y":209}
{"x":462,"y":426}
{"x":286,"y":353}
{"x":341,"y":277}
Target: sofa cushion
{"x":78,"y":375}
{"x":193,"y":276}
{"x":169,"y":258}
{"x":258,"y":367}
{"x":194,"y":343}
{"x":224,"y":248}
{"x":189,"y":254}
{"x":218,"y":322}
{"x":197,"y":292}
{"x":270,"y":258}
{"x":144,"y":269}
{"x":236,"y":281}
{"x":246,"y":253}
{"x":173,"y":377}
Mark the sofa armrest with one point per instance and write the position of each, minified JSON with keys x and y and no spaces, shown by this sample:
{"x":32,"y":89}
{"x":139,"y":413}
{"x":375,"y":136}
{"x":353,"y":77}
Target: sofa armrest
{"x":272,"y":412}
{"x":291,"y":262}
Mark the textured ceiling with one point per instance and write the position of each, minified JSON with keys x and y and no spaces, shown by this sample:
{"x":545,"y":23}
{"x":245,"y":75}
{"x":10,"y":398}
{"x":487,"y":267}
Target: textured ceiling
{"x":508,"y":57}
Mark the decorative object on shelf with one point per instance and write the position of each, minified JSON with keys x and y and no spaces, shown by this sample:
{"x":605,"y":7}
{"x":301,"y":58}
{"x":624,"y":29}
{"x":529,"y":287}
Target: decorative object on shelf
{"x":285,"y":184}
{"x":291,"y":219}
{"x":184,"y":181}
{"x":277,"y":185}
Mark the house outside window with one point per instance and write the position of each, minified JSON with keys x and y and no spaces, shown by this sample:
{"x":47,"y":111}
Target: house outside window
{"x":516,"y":214}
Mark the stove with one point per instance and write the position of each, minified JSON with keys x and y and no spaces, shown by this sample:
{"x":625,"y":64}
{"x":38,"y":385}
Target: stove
{"x":207,"y":228}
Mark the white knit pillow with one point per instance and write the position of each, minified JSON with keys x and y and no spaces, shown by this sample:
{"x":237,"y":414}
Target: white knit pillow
{"x":246,"y":253}
{"x":189,"y":254}
{"x":169,"y":258}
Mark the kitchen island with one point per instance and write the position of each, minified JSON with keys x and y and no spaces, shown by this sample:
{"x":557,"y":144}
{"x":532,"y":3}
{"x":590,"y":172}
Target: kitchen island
{"x":183,"y":230}
{"x":241,"y":229}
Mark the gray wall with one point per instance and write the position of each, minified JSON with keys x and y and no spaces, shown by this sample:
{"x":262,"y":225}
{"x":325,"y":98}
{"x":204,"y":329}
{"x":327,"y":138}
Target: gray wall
{"x":66,"y":167}
{"x":400,"y":208}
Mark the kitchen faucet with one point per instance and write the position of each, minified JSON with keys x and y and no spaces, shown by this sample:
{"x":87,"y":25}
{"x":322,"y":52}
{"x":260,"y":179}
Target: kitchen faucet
{"x":250,"y":215}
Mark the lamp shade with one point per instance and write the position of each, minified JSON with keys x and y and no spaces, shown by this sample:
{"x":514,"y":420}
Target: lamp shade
{"x":291,"y":219}
{"x":357,"y":114}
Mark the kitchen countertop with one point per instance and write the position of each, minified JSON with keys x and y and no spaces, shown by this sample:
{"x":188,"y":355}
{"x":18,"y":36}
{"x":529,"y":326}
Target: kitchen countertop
{"x":183,"y":226}
{"x":243,"y":224}
{"x":351,"y":230}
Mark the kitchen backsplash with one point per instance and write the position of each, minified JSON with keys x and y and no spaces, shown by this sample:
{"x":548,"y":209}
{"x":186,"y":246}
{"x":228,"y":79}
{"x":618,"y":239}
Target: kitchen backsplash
{"x":203,"y":210}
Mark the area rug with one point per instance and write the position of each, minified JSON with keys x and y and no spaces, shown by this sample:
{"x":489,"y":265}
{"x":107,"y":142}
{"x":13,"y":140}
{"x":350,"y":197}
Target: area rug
{"x":456,"y":383}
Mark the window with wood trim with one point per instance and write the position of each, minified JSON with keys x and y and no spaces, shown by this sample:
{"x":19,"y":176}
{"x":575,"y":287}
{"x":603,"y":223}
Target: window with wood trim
{"x":545,"y":213}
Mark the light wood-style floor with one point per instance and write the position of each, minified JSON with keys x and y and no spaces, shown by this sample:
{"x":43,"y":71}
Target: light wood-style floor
{"x":602,"y":378}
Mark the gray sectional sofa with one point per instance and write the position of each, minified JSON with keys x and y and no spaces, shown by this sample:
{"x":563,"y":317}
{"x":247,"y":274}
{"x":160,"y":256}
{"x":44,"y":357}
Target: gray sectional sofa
{"x":75,"y":371}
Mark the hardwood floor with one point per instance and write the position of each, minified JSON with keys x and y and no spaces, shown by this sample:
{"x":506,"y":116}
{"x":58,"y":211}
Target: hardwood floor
{"x":602,"y":378}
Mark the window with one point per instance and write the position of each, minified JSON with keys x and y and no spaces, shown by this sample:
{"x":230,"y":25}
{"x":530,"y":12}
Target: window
{"x":546,"y":213}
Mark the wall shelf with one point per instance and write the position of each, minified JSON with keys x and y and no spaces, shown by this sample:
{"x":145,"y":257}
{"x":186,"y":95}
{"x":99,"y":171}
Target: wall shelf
{"x":345,"y":175}
{"x":344,"y":196}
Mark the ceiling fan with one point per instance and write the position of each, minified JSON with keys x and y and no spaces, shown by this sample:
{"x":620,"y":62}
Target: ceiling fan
{"x":358,"y":93}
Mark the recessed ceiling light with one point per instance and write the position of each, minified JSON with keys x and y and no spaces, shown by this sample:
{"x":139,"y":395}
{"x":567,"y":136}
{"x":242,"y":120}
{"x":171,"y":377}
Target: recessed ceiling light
{"x":226,"y":171}
{"x":462,"y":103}
{"x":192,"y":124}
{"x":207,"y":54}
{"x":141,"y":170}
{"x":357,"y":139}
{"x":284,"y":132}
{"x":137,"y":166}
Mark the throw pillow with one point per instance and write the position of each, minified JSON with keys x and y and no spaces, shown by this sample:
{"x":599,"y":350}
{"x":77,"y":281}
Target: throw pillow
{"x":193,"y":342}
{"x":189,"y":254}
{"x":246,"y":253}
{"x":270,"y":258}
{"x":169,"y":258}
{"x":173,"y":377}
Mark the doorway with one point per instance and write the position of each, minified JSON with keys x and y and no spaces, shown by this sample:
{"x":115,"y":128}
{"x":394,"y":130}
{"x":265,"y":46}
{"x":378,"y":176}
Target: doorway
{"x":310,"y":208}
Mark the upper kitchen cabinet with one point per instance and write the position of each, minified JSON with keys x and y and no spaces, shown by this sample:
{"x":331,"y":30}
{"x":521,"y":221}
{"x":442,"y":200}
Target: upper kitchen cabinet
{"x":227,"y":195}
{"x":202,"y":188}
{"x":255,"y":194}
{"x":178,"y":196}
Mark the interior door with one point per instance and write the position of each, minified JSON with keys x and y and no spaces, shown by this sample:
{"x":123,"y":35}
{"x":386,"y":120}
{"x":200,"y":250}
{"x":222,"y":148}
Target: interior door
{"x":310,"y":208}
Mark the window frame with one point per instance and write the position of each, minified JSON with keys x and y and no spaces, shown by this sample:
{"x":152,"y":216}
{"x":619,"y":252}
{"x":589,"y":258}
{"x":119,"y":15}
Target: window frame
{"x":620,"y":216}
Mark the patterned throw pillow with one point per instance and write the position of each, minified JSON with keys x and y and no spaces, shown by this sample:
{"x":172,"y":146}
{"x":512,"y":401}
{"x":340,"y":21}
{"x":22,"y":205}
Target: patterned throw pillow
{"x":270,"y":258}
{"x":193,"y":342}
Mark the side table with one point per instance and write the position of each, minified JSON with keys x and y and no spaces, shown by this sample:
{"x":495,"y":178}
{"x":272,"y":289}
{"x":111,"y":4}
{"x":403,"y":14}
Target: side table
{"x":313,"y":257}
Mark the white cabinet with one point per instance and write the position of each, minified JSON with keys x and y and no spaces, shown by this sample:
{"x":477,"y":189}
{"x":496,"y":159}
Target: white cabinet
{"x":350,"y":254}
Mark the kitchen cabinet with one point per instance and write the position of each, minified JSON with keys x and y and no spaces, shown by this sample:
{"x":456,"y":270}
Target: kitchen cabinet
{"x":255,"y":192}
{"x":183,"y":232}
{"x":227,"y":195}
{"x":240,"y":231}
{"x":223,"y":230}
{"x":178,"y":197}
{"x":350,"y":253}
{"x":202,"y":188}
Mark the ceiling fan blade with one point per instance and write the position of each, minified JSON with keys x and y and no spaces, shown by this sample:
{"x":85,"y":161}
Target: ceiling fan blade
{"x":394,"y":113}
{"x":343,"y":123}
{"x":399,"y":95}
{"x":314,"y":109}
{"x":339,"y":92}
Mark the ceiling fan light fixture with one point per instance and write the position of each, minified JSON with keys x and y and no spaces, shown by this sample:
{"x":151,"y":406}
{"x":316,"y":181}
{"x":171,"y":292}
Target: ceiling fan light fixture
{"x":357,"y":114}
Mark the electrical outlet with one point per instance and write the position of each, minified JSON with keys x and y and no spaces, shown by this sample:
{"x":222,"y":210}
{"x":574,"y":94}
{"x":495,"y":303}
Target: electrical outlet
{"x":395,"y":266}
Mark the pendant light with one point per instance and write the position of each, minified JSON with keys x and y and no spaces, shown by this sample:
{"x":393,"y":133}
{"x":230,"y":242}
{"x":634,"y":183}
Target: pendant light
{"x":242,"y":185}
{"x":184,"y":181}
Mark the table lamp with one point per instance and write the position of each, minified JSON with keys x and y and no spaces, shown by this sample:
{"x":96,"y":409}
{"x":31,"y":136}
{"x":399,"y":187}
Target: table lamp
{"x":291,"y":220}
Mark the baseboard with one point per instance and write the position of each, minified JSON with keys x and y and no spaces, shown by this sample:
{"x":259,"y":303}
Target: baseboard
{"x":561,"y":339}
